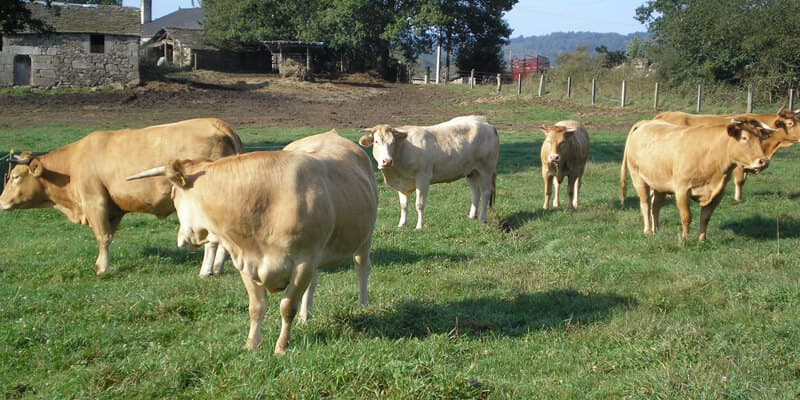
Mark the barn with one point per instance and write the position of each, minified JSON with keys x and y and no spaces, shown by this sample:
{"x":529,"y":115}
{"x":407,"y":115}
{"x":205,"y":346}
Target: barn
{"x":91,"y":46}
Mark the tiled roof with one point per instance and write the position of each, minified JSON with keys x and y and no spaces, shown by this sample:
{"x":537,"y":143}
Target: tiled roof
{"x":186,"y":18}
{"x":80,"y":18}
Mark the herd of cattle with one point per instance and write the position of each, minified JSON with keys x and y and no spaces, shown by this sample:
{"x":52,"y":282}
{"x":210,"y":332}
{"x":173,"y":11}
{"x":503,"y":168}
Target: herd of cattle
{"x":283,"y":215}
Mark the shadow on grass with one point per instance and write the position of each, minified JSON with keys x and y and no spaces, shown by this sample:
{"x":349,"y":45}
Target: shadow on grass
{"x":516,"y":220}
{"x":555,"y":309}
{"x":176,"y":254}
{"x":758,"y":227}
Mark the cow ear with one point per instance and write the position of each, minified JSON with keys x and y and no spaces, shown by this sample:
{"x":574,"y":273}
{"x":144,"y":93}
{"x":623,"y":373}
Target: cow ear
{"x":176,"y":175}
{"x":570,"y":131}
{"x":398,"y":134}
{"x":36,"y":167}
{"x":543,"y":128}
{"x":366,"y":140}
{"x":735,"y":129}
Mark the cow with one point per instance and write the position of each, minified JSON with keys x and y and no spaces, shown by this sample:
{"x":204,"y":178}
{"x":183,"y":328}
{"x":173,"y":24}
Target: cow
{"x":691,"y":163}
{"x":85,"y":179}
{"x":564,"y":153}
{"x":786,"y":123}
{"x":414,"y":157}
{"x":282,"y":215}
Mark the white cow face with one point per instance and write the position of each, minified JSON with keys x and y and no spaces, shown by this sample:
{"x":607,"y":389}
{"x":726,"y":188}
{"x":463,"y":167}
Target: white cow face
{"x":193,"y":230}
{"x":384,"y":141}
{"x":556,"y":137}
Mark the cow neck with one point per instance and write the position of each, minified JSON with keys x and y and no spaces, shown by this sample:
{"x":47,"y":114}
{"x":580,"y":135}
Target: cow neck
{"x":56,"y":181}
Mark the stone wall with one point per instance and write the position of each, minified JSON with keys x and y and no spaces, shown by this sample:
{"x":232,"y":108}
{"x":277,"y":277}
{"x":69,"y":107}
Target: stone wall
{"x":65,"y":60}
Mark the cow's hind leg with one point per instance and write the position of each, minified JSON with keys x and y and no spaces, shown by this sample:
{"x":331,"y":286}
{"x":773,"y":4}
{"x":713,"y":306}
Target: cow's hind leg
{"x":682,"y":200}
{"x":475,"y":189}
{"x":363,"y":268}
{"x":423,"y":184}
{"x":302,"y":275}
{"x":657,"y":201}
{"x":219,"y":260}
{"x":643,"y":191}
{"x":104,"y":224}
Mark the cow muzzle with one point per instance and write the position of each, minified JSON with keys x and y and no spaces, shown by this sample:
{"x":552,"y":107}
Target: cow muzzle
{"x":386,"y":162}
{"x":758,"y":166}
{"x":554,"y":158}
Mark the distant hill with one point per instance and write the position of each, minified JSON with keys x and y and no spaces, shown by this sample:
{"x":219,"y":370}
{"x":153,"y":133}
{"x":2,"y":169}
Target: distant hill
{"x":553,"y":44}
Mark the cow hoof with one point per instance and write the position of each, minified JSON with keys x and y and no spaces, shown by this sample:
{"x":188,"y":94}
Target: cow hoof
{"x":252,"y":345}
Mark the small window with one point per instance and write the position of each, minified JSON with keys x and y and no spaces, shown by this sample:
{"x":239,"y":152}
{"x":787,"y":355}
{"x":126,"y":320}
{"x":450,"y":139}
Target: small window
{"x":97,"y":44}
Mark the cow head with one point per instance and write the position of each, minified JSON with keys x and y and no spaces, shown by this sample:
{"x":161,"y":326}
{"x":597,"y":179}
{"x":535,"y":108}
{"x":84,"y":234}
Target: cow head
{"x":182,"y":174}
{"x":789,"y":122}
{"x":384,"y":141}
{"x":24,"y":188}
{"x":746,"y":151}
{"x":556,"y":138}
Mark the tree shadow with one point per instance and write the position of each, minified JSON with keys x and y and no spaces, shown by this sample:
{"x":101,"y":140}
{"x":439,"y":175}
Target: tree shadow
{"x":554,"y":309}
{"x":758,"y":227}
{"x":515,"y":157}
{"x":516,"y":220}
{"x":606,"y":152}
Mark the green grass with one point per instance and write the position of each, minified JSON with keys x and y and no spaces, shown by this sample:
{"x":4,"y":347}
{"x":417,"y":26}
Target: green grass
{"x":538,"y":304}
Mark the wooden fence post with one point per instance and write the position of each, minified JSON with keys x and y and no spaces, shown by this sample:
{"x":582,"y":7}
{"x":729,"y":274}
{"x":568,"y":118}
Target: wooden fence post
{"x":791,"y":98}
{"x":499,"y":83}
{"x":750,"y":89}
{"x":569,"y":87}
{"x":541,"y":85}
{"x":594,"y":90}
{"x":699,"y":97}
{"x":624,"y":93}
{"x":472,"y":78}
{"x":655,"y":98}
{"x":519,"y":84}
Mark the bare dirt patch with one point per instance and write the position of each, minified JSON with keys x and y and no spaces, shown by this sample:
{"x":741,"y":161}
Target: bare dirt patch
{"x":353,"y":101}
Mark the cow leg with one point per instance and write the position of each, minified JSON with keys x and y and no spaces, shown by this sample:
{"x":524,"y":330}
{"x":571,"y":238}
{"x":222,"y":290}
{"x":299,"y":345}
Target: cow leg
{"x":739,"y":177}
{"x":643,"y":190}
{"x":574,"y":188}
{"x":103,"y":228}
{"x":209,"y":250}
{"x":705,"y":215}
{"x":657,"y":201}
{"x":301,"y":277}
{"x":548,"y":189}
{"x":363,"y":268}
{"x":403,"y":209}
{"x":219,"y":260}
{"x":682,"y":201}
{"x":308,"y":299}
{"x":487,"y":187}
{"x":258,"y":306}
{"x":475,"y":189}
{"x":557,"y":190}
{"x":423,"y":184}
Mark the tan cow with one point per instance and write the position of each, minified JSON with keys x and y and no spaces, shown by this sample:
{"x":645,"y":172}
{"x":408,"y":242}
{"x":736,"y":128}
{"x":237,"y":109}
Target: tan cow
{"x":414,"y":157}
{"x":786,"y":123}
{"x":85,"y":179}
{"x":690,"y":162}
{"x":281,"y":215}
{"x":564,"y":153}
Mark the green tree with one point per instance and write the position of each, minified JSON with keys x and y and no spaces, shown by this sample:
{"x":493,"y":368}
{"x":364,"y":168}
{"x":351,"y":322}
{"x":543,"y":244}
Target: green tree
{"x":15,"y":17}
{"x":611,"y":58}
{"x":231,"y":24}
{"x":724,"y":40}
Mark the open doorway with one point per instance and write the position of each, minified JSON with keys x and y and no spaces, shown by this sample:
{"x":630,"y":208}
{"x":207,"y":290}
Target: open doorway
{"x":22,"y":70}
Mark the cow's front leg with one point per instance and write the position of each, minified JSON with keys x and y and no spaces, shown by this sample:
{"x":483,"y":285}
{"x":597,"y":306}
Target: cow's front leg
{"x":209,"y":251}
{"x":308,"y":300}
{"x":657,"y":201}
{"x":403,"y":209}
{"x":739,"y":177}
{"x":574,"y":188}
{"x":548,"y":189}
{"x":258,"y":305}
{"x":557,"y":191}
{"x":705,"y":215}
{"x":423,"y":184}
{"x":301,"y":277}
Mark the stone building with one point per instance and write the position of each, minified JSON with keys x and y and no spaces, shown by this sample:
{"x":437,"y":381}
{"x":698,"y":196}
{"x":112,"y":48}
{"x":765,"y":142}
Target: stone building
{"x":92,"y":45}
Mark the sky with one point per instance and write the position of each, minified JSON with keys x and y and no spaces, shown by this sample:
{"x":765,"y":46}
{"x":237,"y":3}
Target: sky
{"x":527,"y":18}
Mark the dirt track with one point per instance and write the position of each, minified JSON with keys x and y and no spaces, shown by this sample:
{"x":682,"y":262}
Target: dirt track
{"x":242,"y":100}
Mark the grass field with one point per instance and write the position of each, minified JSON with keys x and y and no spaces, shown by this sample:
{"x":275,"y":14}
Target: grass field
{"x":538,"y":304}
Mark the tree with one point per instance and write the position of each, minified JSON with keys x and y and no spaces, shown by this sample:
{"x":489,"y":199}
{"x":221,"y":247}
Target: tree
{"x":724,"y":40}
{"x":15,"y":17}
{"x":232,"y":24}
{"x":611,"y":58}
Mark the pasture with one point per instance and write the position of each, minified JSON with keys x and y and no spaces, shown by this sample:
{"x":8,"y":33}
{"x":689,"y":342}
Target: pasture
{"x":536,"y":304}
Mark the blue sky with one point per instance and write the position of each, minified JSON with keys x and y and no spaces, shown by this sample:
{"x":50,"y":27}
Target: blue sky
{"x":528,"y":18}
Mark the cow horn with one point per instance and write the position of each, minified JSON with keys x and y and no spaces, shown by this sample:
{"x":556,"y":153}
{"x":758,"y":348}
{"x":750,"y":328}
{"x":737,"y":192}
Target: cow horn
{"x":15,"y":159}
{"x":735,"y":121}
{"x":157,"y":171}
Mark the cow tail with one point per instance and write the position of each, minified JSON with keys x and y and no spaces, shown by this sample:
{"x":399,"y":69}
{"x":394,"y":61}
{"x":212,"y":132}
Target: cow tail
{"x":623,"y":177}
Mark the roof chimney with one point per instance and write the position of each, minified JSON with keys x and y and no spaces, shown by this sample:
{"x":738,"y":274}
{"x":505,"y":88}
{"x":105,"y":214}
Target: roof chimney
{"x":147,"y":11}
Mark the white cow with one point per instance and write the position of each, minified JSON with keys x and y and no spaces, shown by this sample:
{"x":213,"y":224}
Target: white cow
{"x":414,"y":157}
